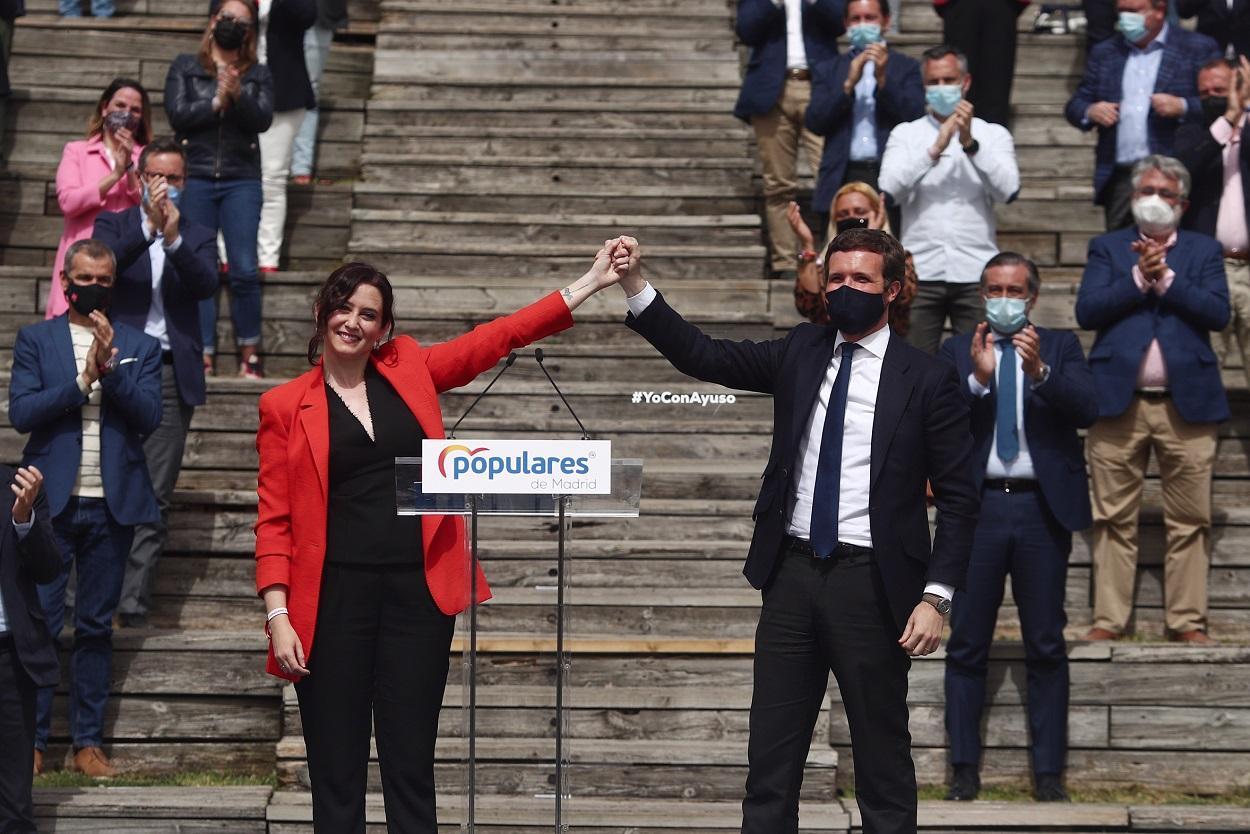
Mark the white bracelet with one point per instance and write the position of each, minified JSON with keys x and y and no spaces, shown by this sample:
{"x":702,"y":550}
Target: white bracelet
{"x":275,"y":612}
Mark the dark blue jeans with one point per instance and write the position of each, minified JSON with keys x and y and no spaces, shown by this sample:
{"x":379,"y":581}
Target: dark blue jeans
{"x":232,"y":207}
{"x":98,"y":546}
{"x":1018,"y":535}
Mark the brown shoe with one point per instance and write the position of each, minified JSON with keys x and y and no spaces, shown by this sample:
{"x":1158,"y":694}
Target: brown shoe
{"x":92,"y":762}
{"x":1096,"y":634}
{"x":38,"y":762}
{"x":1197,"y":637}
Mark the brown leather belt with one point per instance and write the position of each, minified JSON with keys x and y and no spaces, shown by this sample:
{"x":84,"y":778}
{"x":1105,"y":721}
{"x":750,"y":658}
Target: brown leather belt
{"x":1237,"y":254}
{"x":799,"y":74}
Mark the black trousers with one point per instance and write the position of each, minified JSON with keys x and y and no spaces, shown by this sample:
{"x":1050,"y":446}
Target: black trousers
{"x":1117,"y":203}
{"x":985,"y":31}
{"x":1017,"y":535}
{"x":17,"y":741}
{"x":867,"y":171}
{"x":380,"y":654}
{"x":820,"y":615}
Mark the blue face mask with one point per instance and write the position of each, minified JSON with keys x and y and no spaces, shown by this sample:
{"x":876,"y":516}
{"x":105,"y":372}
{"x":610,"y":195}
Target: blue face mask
{"x":1132,"y":26}
{"x":863,"y":34}
{"x":943,"y":98}
{"x":1006,"y":315}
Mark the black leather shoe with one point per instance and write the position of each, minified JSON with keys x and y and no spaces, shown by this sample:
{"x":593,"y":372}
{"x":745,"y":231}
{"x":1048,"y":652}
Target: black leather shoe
{"x":1050,"y":789}
{"x":965,"y":784}
{"x":132,"y":620}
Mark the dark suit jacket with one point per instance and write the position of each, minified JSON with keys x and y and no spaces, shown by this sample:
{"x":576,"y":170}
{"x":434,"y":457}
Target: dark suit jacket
{"x":284,"y":48}
{"x":45,"y":401}
{"x":1183,"y":54}
{"x":1204,"y":157}
{"x":190,"y":276}
{"x":831,"y":114}
{"x":920,"y":431}
{"x":34,"y":559}
{"x":1053,"y":412}
{"x":1218,"y":22}
{"x":762,"y":26}
{"x":1181,"y":319}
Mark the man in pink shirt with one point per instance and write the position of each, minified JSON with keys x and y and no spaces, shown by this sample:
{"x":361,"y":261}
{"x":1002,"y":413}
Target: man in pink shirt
{"x":1219,"y":161}
{"x":1154,"y":294}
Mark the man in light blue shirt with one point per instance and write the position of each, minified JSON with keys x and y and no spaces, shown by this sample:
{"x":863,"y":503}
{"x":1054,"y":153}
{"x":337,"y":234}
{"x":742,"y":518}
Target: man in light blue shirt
{"x":1137,"y":89}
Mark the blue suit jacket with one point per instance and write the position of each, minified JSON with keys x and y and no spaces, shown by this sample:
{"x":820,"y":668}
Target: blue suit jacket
{"x":36,"y":558}
{"x":831,"y":114}
{"x":919,"y":432}
{"x":45,"y":401}
{"x":1053,"y":412}
{"x":190,"y":276}
{"x":762,"y":26}
{"x":1183,"y":54}
{"x":1181,"y":319}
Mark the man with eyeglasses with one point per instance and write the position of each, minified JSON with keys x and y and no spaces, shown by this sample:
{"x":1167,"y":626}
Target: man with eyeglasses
{"x":87,"y":390}
{"x":166,"y":266}
{"x":1029,"y":389}
{"x":1154,"y":295}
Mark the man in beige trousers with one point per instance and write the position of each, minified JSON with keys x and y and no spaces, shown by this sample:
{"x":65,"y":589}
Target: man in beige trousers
{"x":1154,"y":295}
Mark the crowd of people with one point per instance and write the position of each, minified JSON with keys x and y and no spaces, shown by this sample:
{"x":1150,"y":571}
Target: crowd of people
{"x":913,"y":156}
{"x":923,"y":150}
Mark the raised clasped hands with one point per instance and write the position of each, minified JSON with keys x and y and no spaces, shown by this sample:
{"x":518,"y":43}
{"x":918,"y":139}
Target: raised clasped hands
{"x":101,"y":352}
{"x":1029,"y":347}
{"x":983,"y":361}
{"x":1151,"y":259}
{"x":627,"y":261}
{"x":959,"y":122}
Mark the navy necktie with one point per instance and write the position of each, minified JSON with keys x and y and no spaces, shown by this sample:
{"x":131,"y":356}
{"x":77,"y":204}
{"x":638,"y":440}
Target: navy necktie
{"x":1008,"y":433}
{"x":824,"y":526}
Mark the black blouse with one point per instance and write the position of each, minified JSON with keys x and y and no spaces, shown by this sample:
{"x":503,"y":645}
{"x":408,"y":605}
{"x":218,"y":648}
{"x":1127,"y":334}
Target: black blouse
{"x":362,"y":526}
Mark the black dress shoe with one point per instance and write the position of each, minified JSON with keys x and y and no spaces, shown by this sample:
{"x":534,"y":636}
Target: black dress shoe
{"x":965,"y":784}
{"x":1050,"y":789}
{"x":132,"y":620}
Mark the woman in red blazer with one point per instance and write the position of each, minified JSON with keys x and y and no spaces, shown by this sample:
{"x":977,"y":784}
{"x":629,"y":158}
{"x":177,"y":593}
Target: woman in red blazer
{"x":361,"y":602}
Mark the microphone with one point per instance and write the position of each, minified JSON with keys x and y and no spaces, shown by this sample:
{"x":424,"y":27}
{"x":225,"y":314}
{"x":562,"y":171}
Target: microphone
{"x":538,"y":356}
{"x":506,"y":365}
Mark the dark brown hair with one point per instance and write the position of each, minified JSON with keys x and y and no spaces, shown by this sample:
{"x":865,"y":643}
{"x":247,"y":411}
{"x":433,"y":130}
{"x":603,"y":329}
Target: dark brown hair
{"x":143,"y":133}
{"x":157,"y":147}
{"x":247,"y":52}
{"x":335,"y":292}
{"x":893,"y":258}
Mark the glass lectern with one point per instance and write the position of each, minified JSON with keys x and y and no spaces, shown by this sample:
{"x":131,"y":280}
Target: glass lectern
{"x":621,"y":501}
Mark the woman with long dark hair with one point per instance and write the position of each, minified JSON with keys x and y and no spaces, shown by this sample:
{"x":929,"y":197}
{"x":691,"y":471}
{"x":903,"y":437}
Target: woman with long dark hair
{"x":218,"y":102}
{"x":361,"y":602}
{"x":99,"y":173}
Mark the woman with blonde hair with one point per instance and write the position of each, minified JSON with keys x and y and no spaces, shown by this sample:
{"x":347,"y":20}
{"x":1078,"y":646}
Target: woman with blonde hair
{"x":856,"y":205}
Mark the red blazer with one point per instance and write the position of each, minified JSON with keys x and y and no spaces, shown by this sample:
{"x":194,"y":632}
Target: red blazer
{"x":294,"y":446}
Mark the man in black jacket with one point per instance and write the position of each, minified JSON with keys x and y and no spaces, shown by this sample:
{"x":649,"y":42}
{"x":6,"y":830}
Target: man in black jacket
{"x":841,"y":550}
{"x":1214,"y":151}
{"x":28,"y":555}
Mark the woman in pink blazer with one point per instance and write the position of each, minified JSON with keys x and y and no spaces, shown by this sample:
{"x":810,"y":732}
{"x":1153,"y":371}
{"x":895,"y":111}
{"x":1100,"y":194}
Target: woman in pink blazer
{"x":99,"y":173}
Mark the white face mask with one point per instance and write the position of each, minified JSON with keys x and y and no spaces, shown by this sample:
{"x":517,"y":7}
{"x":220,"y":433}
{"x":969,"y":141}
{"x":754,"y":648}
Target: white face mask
{"x":1155,"y":216}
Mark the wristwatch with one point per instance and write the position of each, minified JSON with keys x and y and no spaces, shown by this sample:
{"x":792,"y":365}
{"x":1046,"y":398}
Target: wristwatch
{"x":805,"y":256}
{"x":972,"y":147}
{"x":941,"y":603}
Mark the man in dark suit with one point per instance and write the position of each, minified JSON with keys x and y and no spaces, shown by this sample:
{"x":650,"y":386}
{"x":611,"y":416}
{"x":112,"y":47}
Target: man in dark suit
{"x":1030,"y":389}
{"x":1228,"y":24}
{"x":841,"y":550}
{"x":857,"y":99}
{"x":88,"y":392}
{"x":154,"y":236}
{"x":1137,"y":88}
{"x":28,"y":554}
{"x":1154,"y":295}
{"x":1218,"y":158}
{"x":787,"y":38}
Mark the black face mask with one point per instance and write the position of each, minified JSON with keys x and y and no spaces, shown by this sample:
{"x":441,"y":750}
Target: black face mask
{"x":853,"y":311}
{"x":229,"y":33}
{"x":847,"y":223}
{"x":87,"y":298}
{"x":1213,"y":107}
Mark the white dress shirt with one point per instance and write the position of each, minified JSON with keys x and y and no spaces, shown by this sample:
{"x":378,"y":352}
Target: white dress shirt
{"x":155,"y":325}
{"x":796,"y":51}
{"x":948,"y":205}
{"x":1022,"y":467}
{"x":864,"y":115}
{"x":854,"y":526}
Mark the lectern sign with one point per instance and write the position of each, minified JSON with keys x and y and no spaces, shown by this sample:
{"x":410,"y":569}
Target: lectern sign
{"x":553,"y":467}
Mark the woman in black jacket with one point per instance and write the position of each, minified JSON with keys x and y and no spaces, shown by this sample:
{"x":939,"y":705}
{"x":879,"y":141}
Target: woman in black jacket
{"x":218,"y":102}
